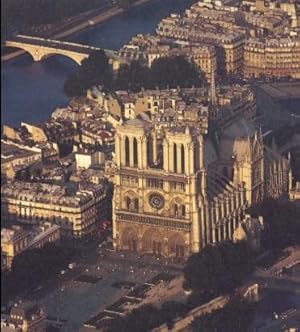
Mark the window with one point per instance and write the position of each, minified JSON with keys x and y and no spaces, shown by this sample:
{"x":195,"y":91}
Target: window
{"x":175,"y":157}
{"x":155,"y":183}
{"x":179,"y":210}
{"x":129,"y":180}
{"x":150,"y":151}
{"x":132,"y":204}
{"x":177,"y":186}
{"x":135,"y":153}
{"x":183,"y":210}
{"x":136,"y":204}
{"x":175,"y":210}
{"x":182,"y":159}
{"x":126,"y":151}
{"x":128,"y":203}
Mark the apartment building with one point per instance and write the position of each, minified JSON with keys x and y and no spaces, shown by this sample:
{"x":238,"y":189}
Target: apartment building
{"x":36,"y":203}
{"x":272,"y":57}
{"x":228,"y":42}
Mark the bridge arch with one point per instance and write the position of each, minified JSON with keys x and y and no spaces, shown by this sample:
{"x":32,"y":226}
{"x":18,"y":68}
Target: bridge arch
{"x":48,"y":55}
{"x":40,"y":48}
{"x":41,"y":53}
{"x":27,"y":51}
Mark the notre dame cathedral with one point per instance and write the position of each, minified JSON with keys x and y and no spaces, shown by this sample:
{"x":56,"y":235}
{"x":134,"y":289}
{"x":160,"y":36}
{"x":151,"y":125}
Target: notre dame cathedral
{"x":181,"y":184}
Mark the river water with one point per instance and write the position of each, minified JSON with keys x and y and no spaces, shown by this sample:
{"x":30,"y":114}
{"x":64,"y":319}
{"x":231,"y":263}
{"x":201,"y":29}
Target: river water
{"x":32,"y":90}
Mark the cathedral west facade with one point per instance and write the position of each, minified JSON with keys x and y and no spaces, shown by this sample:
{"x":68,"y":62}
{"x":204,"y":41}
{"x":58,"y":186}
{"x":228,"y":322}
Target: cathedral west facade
{"x":180,"y":188}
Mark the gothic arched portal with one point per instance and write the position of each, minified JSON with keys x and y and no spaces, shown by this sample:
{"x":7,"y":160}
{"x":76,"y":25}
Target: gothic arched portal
{"x":129,"y":239}
{"x":152,"y":241}
{"x":176,"y":245}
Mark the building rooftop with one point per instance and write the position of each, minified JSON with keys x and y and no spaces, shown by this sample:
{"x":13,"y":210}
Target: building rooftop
{"x":46,"y":193}
{"x":25,"y":311}
{"x":11,"y":151}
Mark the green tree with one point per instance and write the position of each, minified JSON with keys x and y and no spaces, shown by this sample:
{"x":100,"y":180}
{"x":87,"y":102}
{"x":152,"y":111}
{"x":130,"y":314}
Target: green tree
{"x":236,"y":316}
{"x":147,"y":317}
{"x":282,"y":223}
{"x":174,"y":71}
{"x":95,"y":70}
{"x":33,"y":267}
{"x":18,"y":15}
{"x":133,"y":77}
{"x":171,"y":310}
{"x":218,"y":268}
{"x":121,"y":81}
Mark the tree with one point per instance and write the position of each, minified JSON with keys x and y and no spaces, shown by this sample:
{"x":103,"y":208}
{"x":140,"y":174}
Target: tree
{"x":121,"y":82}
{"x":197,"y":298}
{"x":133,"y":77}
{"x":139,"y":320}
{"x":95,"y":70}
{"x":32,"y":267}
{"x":174,"y":71}
{"x":236,"y":316}
{"x":218,"y":268}
{"x":165,"y":72}
{"x":19,"y":14}
{"x":282,"y":223}
{"x":171,"y":310}
{"x":147,"y":317}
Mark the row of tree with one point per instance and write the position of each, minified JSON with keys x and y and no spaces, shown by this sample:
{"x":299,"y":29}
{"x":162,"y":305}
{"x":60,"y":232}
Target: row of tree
{"x":95,"y":70}
{"x":236,"y":316}
{"x":282,"y":223}
{"x":218,"y":269}
{"x":33,"y":267}
{"x":165,"y":72}
{"x":147,"y":317}
{"x":17,"y":14}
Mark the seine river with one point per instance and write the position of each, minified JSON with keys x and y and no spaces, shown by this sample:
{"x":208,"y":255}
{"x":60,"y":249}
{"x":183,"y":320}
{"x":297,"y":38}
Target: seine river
{"x":32,"y":90}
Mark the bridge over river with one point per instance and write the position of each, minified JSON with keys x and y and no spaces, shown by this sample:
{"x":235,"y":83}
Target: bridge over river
{"x":41,"y":48}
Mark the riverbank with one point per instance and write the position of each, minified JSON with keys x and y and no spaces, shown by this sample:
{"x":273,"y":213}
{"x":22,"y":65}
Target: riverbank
{"x":80,"y":23}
